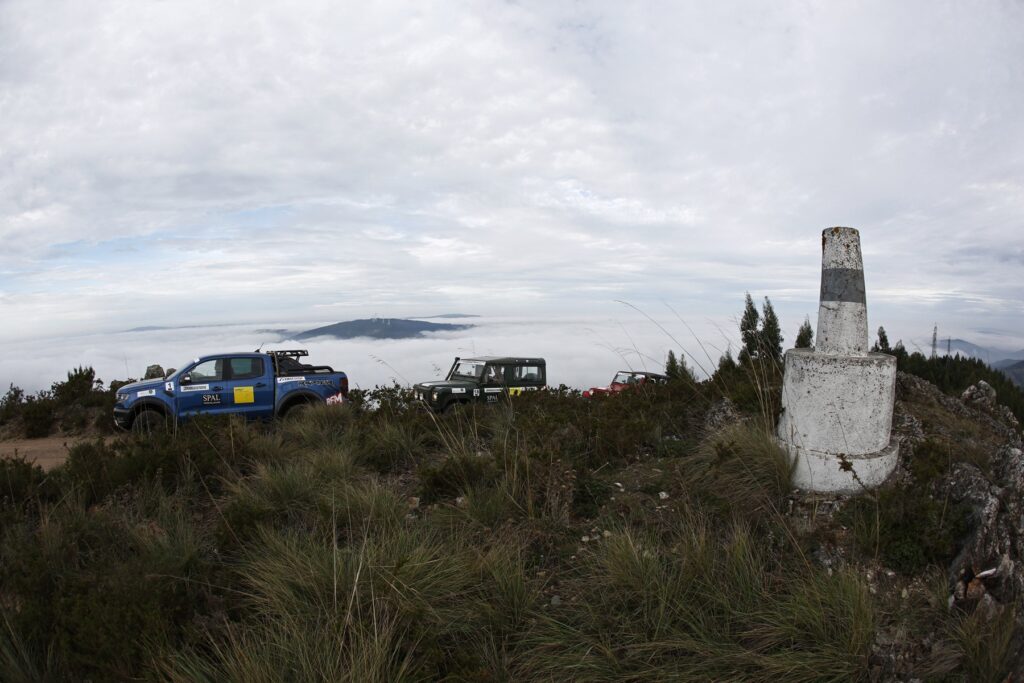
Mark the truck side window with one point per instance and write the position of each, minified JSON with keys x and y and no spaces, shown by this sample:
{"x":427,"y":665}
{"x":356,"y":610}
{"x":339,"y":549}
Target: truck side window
{"x":528,"y":373}
{"x":246,"y":368}
{"x":209,"y":371}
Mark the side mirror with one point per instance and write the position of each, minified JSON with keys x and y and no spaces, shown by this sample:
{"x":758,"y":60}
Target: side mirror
{"x":186,"y":378}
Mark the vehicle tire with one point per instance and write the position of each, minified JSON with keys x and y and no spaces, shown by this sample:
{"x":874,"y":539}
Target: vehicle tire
{"x":149,"y":422}
{"x":455,"y":407}
{"x":296,"y":410}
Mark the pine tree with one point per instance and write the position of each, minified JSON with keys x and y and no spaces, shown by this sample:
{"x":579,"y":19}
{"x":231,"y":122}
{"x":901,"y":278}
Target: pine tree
{"x":726,"y":362}
{"x":685,"y":371}
{"x":672,"y":365}
{"x":882,"y":345}
{"x":748,"y":331}
{"x":770,"y":335}
{"x":805,"y":335}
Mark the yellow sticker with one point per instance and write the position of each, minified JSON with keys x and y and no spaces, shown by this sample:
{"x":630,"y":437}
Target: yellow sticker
{"x":244,"y":395}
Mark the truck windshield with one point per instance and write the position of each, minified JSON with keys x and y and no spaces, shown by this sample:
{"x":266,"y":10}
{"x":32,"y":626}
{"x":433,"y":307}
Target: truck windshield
{"x":624,"y":378}
{"x":468,"y":369}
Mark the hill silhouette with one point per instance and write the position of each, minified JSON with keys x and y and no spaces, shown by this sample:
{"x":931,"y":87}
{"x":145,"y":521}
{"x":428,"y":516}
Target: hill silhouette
{"x":380,"y":328}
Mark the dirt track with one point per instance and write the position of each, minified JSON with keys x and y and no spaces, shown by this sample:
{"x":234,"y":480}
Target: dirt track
{"x":47,"y":452}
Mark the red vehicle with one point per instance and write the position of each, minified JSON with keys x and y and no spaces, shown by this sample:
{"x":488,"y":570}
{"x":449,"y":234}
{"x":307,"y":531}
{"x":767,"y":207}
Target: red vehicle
{"x":626,"y":379}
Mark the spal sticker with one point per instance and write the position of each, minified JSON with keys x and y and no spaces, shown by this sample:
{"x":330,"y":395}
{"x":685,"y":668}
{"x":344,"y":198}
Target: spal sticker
{"x":244,"y":395}
{"x":146,"y":392}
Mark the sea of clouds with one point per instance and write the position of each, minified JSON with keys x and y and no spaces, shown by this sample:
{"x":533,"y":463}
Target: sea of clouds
{"x":580,"y":352}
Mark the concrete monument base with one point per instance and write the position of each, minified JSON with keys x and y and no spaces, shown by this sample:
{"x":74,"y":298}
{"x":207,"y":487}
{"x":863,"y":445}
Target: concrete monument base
{"x":841,"y":473}
{"x":837,"y":408}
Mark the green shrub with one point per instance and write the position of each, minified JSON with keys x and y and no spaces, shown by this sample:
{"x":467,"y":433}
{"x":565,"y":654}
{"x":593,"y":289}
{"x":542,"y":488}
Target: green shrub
{"x":23,"y":488}
{"x":701,"y":605}
{"x":37,"y":415}
{"x":589,"y":495}
{"x":390,"y":443}
{"x":11,"y":404}
{"x":755,"y":387}
{"x":455,"y":475}
{"x":307,"y":497}
{"x":96,"y":592}
{"x":933,"y":458}
{"x":907,"y":530}
{"x":986,"y":644}
{"x":399,"y":605}
{"x":739,"y":470}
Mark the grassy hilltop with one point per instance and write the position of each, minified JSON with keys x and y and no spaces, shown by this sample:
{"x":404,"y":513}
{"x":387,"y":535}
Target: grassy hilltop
{"x":649,"y":536}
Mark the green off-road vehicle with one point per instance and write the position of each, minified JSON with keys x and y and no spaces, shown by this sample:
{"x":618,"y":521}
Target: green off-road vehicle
{"x":483,"y":380}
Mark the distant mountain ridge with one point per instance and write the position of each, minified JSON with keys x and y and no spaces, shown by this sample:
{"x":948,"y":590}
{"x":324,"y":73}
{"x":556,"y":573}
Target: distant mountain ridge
{"x":379,"y":328}
{"x":993,"y":357}
{"x":1015,"y":372}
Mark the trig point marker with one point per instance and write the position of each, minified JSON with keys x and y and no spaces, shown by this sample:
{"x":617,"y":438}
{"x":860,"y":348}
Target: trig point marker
{"x":837,"y":399}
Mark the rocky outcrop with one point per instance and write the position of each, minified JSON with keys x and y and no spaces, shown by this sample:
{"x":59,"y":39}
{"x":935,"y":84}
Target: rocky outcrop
{"x":154,"y":372}
{"x":974,"y":405}
{"x":992,"y":559}
{"x":721,"y":414}
{"x":982,"y":396}
{"x":987,"y":576}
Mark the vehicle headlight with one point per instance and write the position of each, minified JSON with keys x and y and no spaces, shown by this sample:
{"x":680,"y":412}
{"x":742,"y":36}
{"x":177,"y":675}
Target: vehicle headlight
{"x":121,"y":398}
{"x":433,"y":395}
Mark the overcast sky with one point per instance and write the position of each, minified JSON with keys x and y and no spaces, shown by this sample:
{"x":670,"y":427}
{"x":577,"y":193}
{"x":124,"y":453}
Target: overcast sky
{"x":186,"y":161}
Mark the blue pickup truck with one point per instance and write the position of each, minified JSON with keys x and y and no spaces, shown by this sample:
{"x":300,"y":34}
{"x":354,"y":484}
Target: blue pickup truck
{"x":258,"y":386}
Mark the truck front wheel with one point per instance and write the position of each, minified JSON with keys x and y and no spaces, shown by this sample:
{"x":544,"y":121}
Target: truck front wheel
{"x":150,"y":422}
{"x":455,"y":406}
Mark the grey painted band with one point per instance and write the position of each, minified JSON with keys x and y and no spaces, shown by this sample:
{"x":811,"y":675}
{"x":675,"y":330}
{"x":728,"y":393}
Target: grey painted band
{"x":843,"y":284}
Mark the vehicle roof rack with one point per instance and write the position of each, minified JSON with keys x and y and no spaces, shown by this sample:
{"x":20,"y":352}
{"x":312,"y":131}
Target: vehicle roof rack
{"x":294,"y":353}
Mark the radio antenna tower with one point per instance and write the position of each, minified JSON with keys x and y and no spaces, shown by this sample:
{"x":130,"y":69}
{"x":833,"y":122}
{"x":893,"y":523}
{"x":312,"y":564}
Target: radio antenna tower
{"x":935,"y":340}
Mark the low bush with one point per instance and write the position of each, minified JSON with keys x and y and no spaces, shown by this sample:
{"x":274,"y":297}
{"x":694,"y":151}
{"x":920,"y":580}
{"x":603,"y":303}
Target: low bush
{"x":37,"y":415}
{"x":23,"y":487}
{"x":739,"y":470}
{"x":455,"y":475}
{"x":701,"y":605}
{"x":907,"y":530}
{"x":98,"y":590}
{"x":11,"y":404}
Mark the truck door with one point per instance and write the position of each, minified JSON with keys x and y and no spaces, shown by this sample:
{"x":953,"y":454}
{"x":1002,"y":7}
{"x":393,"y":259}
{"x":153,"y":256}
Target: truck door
{"x":201,"y":388}
{"x":525,"y":378}
{"x":248,"y":389}
{"x":494,"y":382}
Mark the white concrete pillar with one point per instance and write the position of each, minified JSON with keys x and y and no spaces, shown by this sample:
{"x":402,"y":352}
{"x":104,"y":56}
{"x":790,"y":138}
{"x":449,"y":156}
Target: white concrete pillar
{"x":838,"y":399}
{"x":842,"y":307}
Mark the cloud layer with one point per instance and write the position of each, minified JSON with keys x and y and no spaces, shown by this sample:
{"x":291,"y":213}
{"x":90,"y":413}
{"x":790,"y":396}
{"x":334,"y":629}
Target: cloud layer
{"x":196,"y":162}
{"x":581,"y":352}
